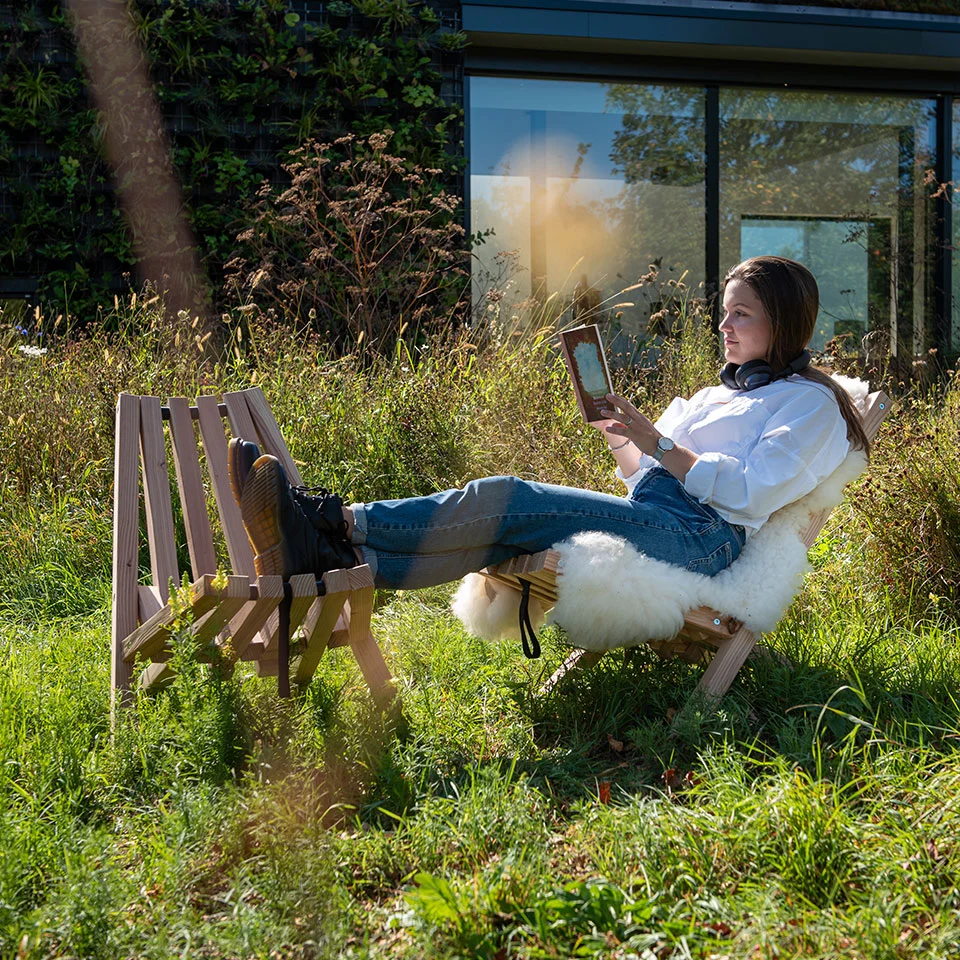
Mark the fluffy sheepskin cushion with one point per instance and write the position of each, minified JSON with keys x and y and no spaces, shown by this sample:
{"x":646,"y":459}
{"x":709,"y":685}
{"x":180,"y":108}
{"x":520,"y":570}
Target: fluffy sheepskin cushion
{"x":611,"y":595}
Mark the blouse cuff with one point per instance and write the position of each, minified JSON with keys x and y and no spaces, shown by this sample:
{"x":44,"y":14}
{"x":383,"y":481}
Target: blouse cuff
{"x":631,"y":481}
{"x":702,"y":476}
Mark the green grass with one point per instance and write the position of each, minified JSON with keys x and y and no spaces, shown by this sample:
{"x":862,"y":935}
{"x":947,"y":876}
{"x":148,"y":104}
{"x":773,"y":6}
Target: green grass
{"x":814,"y":814}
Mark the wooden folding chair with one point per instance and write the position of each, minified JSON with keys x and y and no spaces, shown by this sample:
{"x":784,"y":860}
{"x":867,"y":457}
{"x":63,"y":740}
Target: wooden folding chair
{"x":257,"y":616}
{"x":706,"y":634}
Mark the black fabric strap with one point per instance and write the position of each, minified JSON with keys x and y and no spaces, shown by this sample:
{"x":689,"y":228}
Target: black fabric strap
{"x":283,"y":647}
{"x":531,"y":645}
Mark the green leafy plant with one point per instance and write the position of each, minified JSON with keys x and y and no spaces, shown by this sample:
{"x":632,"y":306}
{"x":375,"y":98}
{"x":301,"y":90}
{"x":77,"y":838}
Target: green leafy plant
{"x":361,"y":245}
{"x":240,"y":86}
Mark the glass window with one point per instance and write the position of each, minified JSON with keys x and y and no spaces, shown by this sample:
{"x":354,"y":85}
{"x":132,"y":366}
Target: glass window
{"x":839,"y":182}
{"x":585,"y":184}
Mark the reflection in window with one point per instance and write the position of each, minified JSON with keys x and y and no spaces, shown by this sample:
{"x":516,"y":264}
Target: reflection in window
{"x":585,"y":185}
{"x":838,"y":181}
{"x":848,"y":258}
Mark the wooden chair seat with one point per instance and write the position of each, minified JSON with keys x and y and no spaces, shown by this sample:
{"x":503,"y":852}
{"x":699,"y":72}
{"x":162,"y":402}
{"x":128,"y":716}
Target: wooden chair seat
{"x":707,"y":635}
{"x":237,"y":615}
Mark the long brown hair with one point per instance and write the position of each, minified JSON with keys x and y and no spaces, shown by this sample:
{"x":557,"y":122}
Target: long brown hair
{"x":791,"y":299}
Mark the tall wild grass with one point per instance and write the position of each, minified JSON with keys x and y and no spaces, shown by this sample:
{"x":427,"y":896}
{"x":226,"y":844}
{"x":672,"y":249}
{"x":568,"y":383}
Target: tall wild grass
{"x":811,"y":815}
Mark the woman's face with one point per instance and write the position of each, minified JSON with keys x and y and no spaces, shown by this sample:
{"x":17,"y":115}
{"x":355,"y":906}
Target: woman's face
{"x":745,"y":327}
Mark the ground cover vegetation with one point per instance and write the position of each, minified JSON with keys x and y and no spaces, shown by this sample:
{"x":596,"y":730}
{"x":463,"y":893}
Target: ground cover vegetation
{"x":239,"y":85}
{"x":815,"y":814}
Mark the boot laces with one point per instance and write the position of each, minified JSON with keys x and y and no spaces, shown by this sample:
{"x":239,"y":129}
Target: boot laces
{"x":302,"y":529}
{"x":320,"y":491}
{"x":313,"y":501}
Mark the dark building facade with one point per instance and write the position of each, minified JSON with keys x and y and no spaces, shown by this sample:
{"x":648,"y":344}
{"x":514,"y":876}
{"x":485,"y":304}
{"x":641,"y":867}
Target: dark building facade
{"x":604,"y":135}
{"x":600,"y":136}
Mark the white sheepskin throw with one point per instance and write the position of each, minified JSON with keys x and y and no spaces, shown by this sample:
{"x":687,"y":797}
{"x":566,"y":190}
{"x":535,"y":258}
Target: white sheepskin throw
{"x":611,"y":595}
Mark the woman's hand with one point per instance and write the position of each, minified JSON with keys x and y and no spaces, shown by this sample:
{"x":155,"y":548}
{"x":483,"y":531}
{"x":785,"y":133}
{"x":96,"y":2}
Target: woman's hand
{"x":626,"y":421}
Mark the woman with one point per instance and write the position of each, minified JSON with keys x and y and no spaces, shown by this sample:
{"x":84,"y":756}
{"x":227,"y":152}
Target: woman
{"x":700,"y":481}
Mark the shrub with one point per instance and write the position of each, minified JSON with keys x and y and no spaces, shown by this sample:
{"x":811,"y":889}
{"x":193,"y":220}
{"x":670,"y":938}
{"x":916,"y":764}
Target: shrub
{"x":909,"y":506}
{"x":362,"y":245}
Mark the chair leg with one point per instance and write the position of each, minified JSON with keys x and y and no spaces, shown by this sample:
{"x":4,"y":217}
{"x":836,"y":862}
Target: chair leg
{"x":366,"y":650}
{"x":125,"y":528}
{"x":576,"y":661}
{"x":718,"y":677}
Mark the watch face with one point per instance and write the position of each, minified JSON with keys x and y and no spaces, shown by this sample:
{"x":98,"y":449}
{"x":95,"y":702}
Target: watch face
{"x":665,"y":444}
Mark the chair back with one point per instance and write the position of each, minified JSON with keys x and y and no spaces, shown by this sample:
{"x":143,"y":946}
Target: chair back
{"x":149,"y":436}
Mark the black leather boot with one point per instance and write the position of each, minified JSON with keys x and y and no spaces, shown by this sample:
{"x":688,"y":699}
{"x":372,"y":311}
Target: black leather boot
{"x":321,"y":507}
{"x":284,"y":540}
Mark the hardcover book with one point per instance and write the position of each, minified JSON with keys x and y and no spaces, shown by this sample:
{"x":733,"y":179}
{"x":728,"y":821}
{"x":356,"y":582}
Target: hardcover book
{"x":587,"y":362}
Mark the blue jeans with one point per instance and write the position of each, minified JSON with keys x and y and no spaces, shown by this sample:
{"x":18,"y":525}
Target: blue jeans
{"x":423,"y":541}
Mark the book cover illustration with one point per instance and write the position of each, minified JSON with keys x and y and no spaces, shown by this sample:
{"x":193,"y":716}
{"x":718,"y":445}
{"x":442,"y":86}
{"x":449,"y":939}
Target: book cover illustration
{"x":587,"y":364}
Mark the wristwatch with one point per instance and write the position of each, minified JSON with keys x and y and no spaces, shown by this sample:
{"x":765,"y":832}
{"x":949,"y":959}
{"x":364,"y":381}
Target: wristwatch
{"x":664,"y":444}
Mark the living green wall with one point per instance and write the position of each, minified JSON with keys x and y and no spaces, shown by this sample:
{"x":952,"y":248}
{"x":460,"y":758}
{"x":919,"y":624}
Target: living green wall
{"x":240,"y":83}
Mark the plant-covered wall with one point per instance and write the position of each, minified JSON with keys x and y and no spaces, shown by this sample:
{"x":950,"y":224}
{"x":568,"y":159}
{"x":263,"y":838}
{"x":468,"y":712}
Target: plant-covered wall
{"x":240,"y":83}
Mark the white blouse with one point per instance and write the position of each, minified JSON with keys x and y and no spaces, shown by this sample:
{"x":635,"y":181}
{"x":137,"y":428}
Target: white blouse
{"x":756,"y":451}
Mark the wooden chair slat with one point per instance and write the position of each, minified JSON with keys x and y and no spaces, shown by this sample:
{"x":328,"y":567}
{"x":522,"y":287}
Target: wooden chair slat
{"x":253,"y":652}
{"x":691,"y":635}
{"x":215,"y":448}
{"x":156,"y":497}
{"x":817,"y":523}
{"x":528,"y":565}
{"x":268,"y":632}
{"x":365,"y":648}
{"x":196,"y":521}
{"x":149,"y":601}
{"x":270,"y":432}
{"x":241,"y":423}
{"x":877,"y":410}
{"x":330,"y":614}
{"x":126,"y":519}
{"x":150,"y":638}
{"x":542,"y":591}
{"x":261,"y":656}
{"x":341,"y":631}
{"x":705,"y":620}
{"x":249,"y":621}
{"x":155,"y":675}
{"x":727,"y":662}
{"x":303,"y":588}
{"x":233,"y":599}
{"x":576,"y":660}
{"x":159,"y":674}
{"x":352,"y":578}
{"x":266,"y":665}
{"x":318,"y":627}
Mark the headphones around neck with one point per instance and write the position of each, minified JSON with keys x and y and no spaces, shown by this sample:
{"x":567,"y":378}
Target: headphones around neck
{"x":758,"y":373}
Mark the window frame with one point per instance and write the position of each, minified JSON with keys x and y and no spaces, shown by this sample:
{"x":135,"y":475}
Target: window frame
{"x":938,"y":86}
